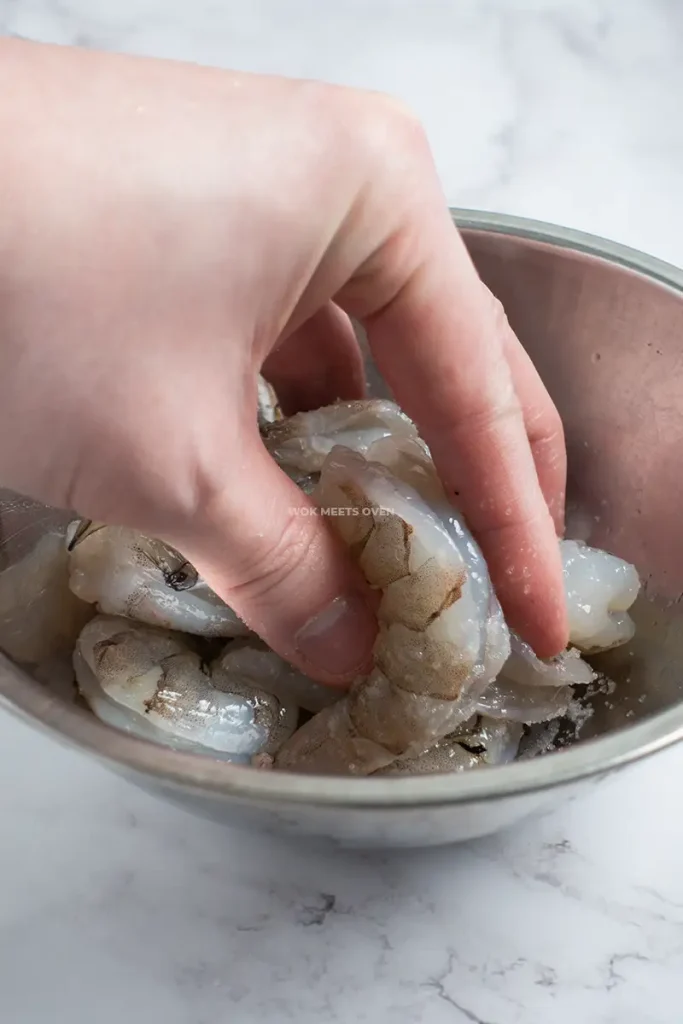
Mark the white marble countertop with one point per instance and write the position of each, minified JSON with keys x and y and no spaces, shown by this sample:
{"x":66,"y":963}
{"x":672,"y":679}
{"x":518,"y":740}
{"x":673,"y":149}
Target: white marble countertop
{"x":115,"y":908}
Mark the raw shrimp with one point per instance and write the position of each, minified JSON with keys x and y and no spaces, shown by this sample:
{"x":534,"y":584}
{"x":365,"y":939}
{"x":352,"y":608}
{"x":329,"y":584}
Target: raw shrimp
{"x":531,"y":690}
{"x":600,"y":589}
{"x":428,"y":635}
{"x":442,"y":636}
{"x":450,"y":687}
{"x":525,"y":669}
{"x":485,"y":741}
{"x":268,"y":406}
{"x":253,"y":660}
{"x":125,"y":573}
{"x":148,"y":682}
{"x":301,"y":443}
{"x":446,"y":756}
{"x":499,"y":741}
{"x":40,"y":618}
{"x":518,"y":703}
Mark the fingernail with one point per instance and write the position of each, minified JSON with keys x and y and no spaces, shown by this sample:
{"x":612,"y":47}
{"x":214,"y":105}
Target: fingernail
{"x":338,"y":641}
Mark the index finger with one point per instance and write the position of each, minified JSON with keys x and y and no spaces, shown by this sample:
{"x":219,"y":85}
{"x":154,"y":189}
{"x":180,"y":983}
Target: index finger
{"x":439,"y":346}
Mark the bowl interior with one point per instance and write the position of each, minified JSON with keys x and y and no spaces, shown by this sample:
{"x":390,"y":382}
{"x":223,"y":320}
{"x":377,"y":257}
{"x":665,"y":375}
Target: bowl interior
{"x":604,"y":326}
{"x":608,"y":342}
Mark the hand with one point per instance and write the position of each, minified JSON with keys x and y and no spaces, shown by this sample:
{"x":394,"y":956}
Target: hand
{"x":166,"y":230}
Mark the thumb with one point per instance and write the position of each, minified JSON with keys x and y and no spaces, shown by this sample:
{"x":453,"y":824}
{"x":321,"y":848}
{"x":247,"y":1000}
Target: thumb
{"x":278,"y":564}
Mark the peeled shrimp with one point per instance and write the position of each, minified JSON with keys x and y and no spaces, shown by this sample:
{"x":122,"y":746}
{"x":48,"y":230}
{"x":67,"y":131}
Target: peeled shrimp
{"x":525,"y":669}
{"x":450,"y":687}
{"x":252,"y":660}
{"x":600,"y":590}
{"x":125,"y":573}
{"x":301,"y":443}
{"x":444,"y":757}
{"x":268,"y":406}
{"x":519,"y":703}
{"x":149,"y":682}
{"x":40,"y":618}
{"x":485,"y":741}
{"x":499,"y":740}
{"x":442,"y":636}
{"x":531,"y":690}
{"x":443,"y":641}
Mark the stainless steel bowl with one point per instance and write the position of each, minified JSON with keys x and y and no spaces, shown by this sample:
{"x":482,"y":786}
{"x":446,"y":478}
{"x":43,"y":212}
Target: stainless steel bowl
{"x":604,"y":325}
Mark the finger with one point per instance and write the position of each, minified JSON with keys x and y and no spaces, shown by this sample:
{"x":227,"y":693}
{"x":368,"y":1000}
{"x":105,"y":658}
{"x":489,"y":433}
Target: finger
{"x":436,"y":342}
{"x":317,"y":364}
{"x":542,"y":421}
{"x":285,"y":572}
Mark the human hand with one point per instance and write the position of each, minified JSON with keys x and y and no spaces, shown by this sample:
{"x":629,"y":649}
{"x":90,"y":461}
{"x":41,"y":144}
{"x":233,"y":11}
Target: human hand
{"x":166,"y":231}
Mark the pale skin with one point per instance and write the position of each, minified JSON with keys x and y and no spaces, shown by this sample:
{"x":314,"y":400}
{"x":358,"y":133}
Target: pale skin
{"x":166,"y":231}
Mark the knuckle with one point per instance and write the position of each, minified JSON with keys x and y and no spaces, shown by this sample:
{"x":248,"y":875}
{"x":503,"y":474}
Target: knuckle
{"x":497,"y":309}
{"x":386,"y":126}
{"x":514,"y":519}
{"x":542,"y":418}
{"x":545,"y":428}
{"x":554,"y":424}
{"x":396,"y":112}
{"x":491,"y":418}
{"x":400,"y":123}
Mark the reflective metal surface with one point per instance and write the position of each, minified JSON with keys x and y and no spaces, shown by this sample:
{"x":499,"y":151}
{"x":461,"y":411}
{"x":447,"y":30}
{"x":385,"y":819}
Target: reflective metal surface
{"x":604,"y":325}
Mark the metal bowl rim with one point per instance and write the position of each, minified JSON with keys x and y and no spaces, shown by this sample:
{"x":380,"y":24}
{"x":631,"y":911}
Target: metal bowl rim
{"x":195,"y":773}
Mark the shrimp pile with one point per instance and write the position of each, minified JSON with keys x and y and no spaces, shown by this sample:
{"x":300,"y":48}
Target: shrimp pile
{"x":151,"y":682}
{"x":158,"y":654}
